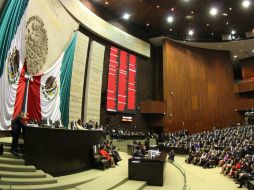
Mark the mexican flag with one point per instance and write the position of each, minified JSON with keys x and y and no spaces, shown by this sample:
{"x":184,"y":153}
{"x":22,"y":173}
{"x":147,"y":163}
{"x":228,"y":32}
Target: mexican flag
{"x":12,"y":56}
{"x":46,"y":96}
{"x":41,"y":96}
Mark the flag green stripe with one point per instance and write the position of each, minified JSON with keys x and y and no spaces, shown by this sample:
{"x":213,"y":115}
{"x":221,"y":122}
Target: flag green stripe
{"x":65,"y":81}
{"x":9,"y":23}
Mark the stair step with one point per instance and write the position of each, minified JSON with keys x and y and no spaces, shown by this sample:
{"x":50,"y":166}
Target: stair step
{"x":66,"y":184}
{"x":28,"y":181}
{"x":10,"y":155}
{"x":131,"y":184}
{"x":14,"y":161}
{"x":17,"y":168}
{"x":7,"y":148}
{"x":11,"y":174}
{"x":99,"y":183}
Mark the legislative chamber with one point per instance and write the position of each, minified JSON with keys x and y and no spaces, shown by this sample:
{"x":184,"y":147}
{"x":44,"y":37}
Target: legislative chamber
{"x":117,"y":94}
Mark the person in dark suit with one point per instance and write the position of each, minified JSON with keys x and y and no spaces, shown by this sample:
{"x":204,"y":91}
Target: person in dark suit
{"x":137,"y":152}
{"x":17,"y":125}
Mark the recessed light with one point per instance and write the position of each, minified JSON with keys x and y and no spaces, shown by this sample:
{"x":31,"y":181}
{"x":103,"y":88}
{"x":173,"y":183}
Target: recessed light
{"x":212,"y":33}
{"x":147,"y":24}
{"x":192,"y":12}
{"x":233,"y":32}
{"x":191,"y":32}
{"x":230,"y":8}
{"x":158,"y":6}
{"x":207,"y":24}
{"x":246,"y":3}
{"x":226,"y":23}
{"x":213,"y":11}
{"x":253,"y":51}
{"x":172,"y":9}
{"x":235,"y":56}
{"x":106,"y":2}
{"x":126,"y":16}
{"x":170,"y":29}
{"x":170,"y":19}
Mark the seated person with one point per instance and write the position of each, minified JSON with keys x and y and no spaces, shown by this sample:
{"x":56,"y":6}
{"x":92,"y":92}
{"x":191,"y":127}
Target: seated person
{"x":137,"y":152}
{"x":57,"y":124}
{"x":114,"y":151}
{"x":104,"y":153}
{"x":142,"y":148}
{"x":89,"y":125}
{"x":79,"y":125}
{"x":147,"y":143}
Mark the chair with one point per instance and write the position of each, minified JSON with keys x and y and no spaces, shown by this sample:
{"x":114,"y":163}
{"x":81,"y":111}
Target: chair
{"x":100,"y":161}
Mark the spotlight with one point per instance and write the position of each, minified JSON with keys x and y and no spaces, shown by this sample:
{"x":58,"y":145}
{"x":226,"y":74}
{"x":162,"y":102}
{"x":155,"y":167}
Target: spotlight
{"x":126,"y":16}
{"x":213,"y":11}
{"x":246,"y":3}
{"x":191,"y":32}
{"x":170,"y":19}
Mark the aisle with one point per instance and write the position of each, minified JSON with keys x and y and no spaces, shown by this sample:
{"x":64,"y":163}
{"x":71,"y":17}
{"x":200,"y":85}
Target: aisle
{"x":206,"y":179}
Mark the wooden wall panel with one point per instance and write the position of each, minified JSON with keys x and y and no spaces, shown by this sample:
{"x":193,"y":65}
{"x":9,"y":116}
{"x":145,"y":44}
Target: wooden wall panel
{"x":198,"y":88}
{"x":244,"y":86}
{"x":247,"y":68}
{"x":149,"y":106}
{"x":244,"y":103}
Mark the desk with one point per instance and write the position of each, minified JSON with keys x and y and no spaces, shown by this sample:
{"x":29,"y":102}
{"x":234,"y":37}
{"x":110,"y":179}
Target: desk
{"x":150,"y":170}
{"x":60,"y":151}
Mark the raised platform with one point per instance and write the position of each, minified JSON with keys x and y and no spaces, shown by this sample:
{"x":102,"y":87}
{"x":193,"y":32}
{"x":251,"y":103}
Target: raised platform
{"x":60,"y":151}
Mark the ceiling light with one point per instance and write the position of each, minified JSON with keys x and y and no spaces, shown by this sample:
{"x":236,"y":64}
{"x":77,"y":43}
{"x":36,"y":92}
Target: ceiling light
{"x":207,"y":24}
{"x":212,"y":33}
{"x":225,"y":14}
{"x":170,"y":19}
{"x":191,"y":32}
{"x":246,"y":3}
{"x":172,"y":9}
{"x":158,"y":6}
{"x":126,"y":16}
{"x":170,"y":29}
{"x":213,"y":11}
{"x":253,"y":51}
{"x":235,"y":56}
{"x":226,"y":23}
{"x":106,"y":2}
{"x":233,"y":32}
{"x":147,"y":24}
{"x":192,"y":12}
{"x":230,"y":8}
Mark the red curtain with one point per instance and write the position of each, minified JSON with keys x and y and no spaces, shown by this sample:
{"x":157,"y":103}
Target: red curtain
{"x":34,"y":100}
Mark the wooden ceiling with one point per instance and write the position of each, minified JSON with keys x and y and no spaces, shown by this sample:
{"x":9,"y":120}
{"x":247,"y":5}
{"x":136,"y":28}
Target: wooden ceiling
{"x":188,"y":14}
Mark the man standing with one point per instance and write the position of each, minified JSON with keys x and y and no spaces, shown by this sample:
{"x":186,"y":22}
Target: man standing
{"x":17,"y":125}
